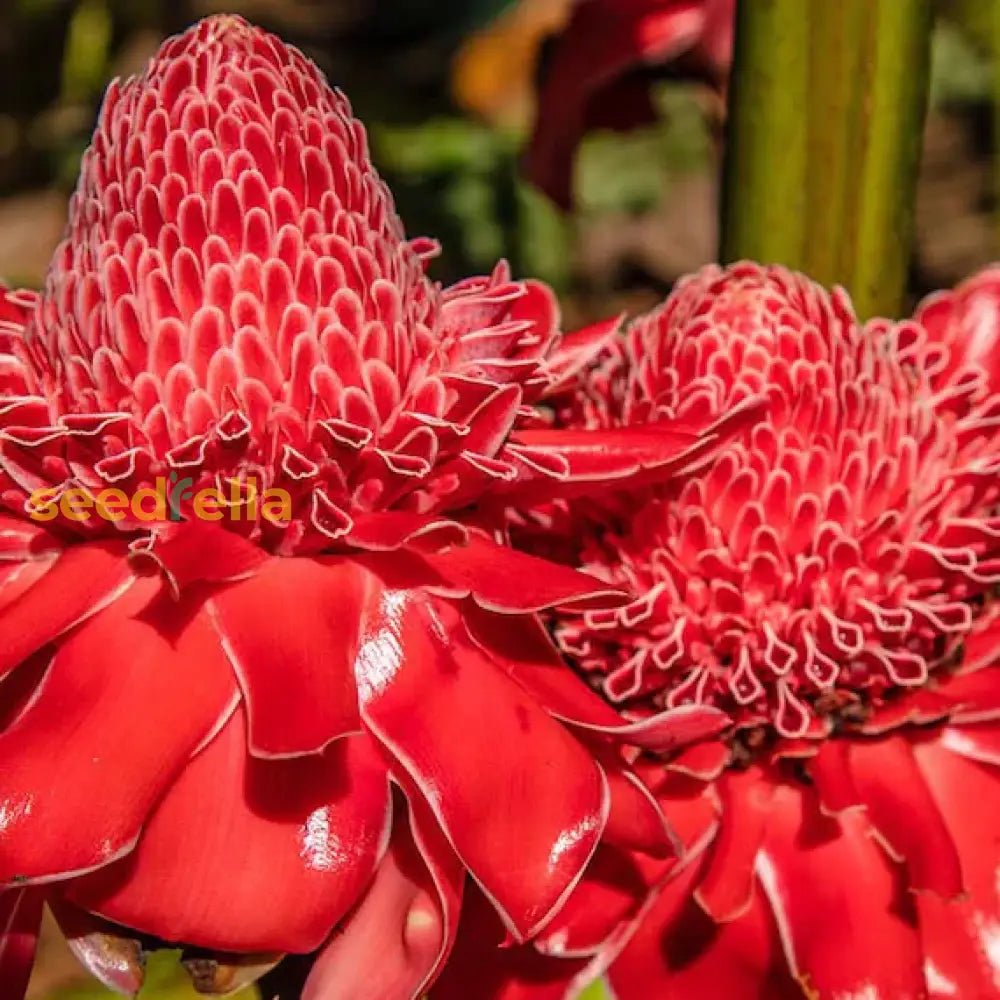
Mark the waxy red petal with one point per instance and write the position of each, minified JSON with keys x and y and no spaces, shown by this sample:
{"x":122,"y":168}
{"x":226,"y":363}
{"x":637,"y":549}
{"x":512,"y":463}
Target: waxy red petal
{"x":975,"y":695}
{"x":524,"y":650}
{"x":902,"y":811}
{"x":635,"y":821}
{"x":679,"y":951}
{"x":291,"y":632}
{"x":83,"y":579}
{"x":391,"y":945}
{"x":481,"y":956}
{"x":383,"y":531}
{"x":959,"y":936}
{"x":843,"y":914}
{"x":613,"y":890}
{"x":21,"y":539}
{"x":726,"y":887}
{"x":126,"y":700}
{"x":576,"y":350}
{"x":17,"y":577}
{"x":500,"y":579}
{"x":600,"y":457}
{"x":691,"y":806}
{"x":596,"y":462}
{"x":20,"y":919}
{"x":201,"y":552}
{"x":251,"y":855}
{"x":704,"y":761}
{"x":525,"y":807}
{"x":830,"y":771}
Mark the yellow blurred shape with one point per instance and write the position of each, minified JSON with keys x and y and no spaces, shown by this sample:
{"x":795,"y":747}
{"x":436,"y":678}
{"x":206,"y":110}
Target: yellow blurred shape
{"x":493,"y":73}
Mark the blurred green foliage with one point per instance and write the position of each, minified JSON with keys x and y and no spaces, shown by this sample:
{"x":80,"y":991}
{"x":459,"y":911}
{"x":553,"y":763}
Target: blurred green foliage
{"x":459,"y":180}
{"x":88,"y":44}
{"x":961,"y":70}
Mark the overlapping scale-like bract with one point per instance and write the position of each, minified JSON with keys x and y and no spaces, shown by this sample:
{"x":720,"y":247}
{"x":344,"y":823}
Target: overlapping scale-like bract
{"x":236,"y":302}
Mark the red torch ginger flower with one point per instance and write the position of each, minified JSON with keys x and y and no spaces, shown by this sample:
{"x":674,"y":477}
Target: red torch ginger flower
{"x":266,"y":701}
{"x":828,"y":582}
{"x":594,"y":77}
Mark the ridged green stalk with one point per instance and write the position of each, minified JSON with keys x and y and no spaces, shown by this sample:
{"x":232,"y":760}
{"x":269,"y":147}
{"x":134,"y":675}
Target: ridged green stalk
{"x":995,"y":54}
{"x":826,"y":112}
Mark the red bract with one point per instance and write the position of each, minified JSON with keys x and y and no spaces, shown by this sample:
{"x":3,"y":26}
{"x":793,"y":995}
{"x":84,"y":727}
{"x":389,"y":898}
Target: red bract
{"x":830,"y":583}
{"x":205,"y":711}
{"x":964,"y":329}
{"x":594,"y":76}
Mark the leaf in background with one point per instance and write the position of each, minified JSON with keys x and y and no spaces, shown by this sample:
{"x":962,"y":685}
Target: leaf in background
{"x":628,"y":172}
{"x":596,"y":991}
{"x":36,"y":8}
{"x":165,"y":980}
{"x":85,"y":60}
{"x":975,"y":17}
{"x":961,"y":72}
{"x":545,"y":238}
{"x":458,"y":179}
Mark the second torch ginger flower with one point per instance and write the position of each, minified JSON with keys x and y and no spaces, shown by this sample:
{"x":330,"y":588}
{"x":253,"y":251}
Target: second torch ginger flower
{"x":238,"y":730}
{"x":829,"y":582}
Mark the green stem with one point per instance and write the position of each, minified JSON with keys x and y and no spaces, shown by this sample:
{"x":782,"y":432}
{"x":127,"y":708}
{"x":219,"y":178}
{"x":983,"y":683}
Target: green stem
{"x":995,"y":65}
{"x":766,"y":149}
{"x":826,"y":117}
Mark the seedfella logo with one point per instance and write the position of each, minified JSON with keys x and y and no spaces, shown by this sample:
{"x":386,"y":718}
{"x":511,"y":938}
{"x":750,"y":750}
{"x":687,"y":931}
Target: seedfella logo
{"x":172,"y":498}
{"x":180,"y":490}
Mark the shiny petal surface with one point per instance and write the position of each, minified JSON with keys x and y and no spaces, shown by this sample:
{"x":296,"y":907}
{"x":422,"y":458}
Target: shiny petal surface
{"x":114,"y":712}
{"x":425,"y":690}
{"x":959,"y":936}
{"x":520,"y":972}
{"x":679,"y":953}
{"x":82,"y":580}
{"x":843,"y":936}
{"x":524,"y":650}
{"x":294,"y":654}
{"x":390,"y":946}
{"x":613,"y":891}
{"x":903,"y":812}
{"x":252,"y":855}
{"x":501,"y":579}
